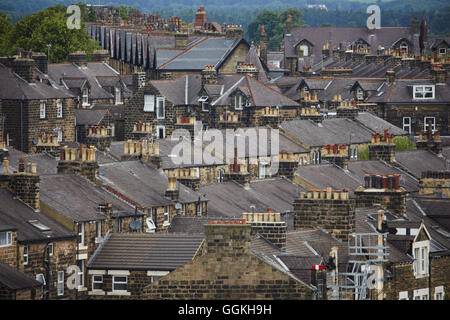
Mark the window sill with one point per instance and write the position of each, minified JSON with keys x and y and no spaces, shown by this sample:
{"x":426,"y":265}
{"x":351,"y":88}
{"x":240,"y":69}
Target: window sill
{"x":119,"y":293}
{"x":420,"y":276}
{"x":82,"y":247}
{"x":96,"y":293}
{"x":166,"y":224}
{"x":81,"y":289}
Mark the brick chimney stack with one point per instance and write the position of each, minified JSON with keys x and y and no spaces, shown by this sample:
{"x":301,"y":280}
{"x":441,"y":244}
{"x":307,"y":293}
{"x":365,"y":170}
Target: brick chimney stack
{"x":24,"y":67}
{"x":229,"y":240}
{"x":263,"y":45}
{"x":78,"y":160}
{"x":79,"y":58}
{"x":329,"y":209}
{"x":337,"y":154}
{"x":384,"y":190}
{"x":432,"y":141}
{"x":172,"y":192}
{"x":181,"y":40}
{"x":41,"y":60}
{"x":382,"y":147}
{"x":209,"y":75}
{"x":390,"y":76}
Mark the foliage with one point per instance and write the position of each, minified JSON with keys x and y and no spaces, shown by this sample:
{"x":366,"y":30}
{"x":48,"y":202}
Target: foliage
{"x":5,"y":31}
{"x":364,"y":154}
{"x":49,"y":26}
{"x":274,"y":24}
{"x":404,"y":143}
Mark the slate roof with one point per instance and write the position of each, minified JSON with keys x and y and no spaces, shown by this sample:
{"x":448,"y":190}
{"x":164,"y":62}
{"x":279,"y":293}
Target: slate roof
{"x":319,"y":36}
{"x":301,"y":266}
{"x":145,"y":251}
{"x":15,"y":279}
{"x":45,"y":163}
{"x":89,"y":117}
{"x":208,"y":51}
{"x":377,"y":125}
{"x":327,"y":175}
{"x":12,"y":87}
{"x":230,"y":199}
{"x":142,"y":183}
{"x":15,"y":213}
{"x":418,"y":161}
{"x":253,"y":58}
{"x":193,"y":225}
{"x":78,"y":198}
{"x":329,"y":131}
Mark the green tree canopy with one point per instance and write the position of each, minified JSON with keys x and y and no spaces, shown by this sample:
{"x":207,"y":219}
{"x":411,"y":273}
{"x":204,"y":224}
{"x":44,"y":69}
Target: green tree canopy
{"x":274,"y":25}
{"x":49,"y":26}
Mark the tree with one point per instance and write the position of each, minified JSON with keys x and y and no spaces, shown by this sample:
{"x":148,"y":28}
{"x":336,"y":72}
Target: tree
{"x":49,"y":26}
{"x":5,"y":31}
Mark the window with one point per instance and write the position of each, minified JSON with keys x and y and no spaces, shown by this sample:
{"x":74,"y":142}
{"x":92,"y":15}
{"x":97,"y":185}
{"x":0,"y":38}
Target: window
{"x":80,"y":264}
{"x":160,"y":104}
{"x":118,"y":95}
{"x":354,"y":153}
{"x":199,"y":209}
{"x":155,"y":278}
{"x":424,"y":92}
{"x":161,"y":131}
{"x":81,"y":234}
{"x":407,"y":124}
{"x":316,"y":157}
{"x":40,"y":278}
{"x":120,"y":283}
{"x":98,"y":229}
{"x":149,"y":103}
{"x":85,"y":97}
{"x":166,"y":215}
{"x":60,"y":283}
{"x":220,"y":174}
{"x":403,"y":295}
{"x":204,"y":101}
{"x":59,"y":109}
{"x":262,"y":170}
{"x":25,"y":254}
{"x":42,"y":110}
{"x":238,"y":102}
{"x":97,"y":282}
{"x":439,"y":293}
{"x":421,"y":294}
{"x":5,"y":238}
{"x":359,"y":94}
{"x":50,"y":250}
{"x":59,"y":133}
{"x":420,"y":252}
{"x":404,"y":49}
{"x":425,"y":123}
{"x":442,"y":52}
{"x":118,"y":225}
{"x":304,"y":50}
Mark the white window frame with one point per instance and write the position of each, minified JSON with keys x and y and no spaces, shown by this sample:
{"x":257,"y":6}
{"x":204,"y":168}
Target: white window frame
{"x":114,"y":282}
{"x":158,"y":114}
{"x":423,"y":90}
{"x":442,"y":53}
{"x":59,"y":133}
{"x":117,"y":95}
{"x":238,"y":102}
{"x":81,"y":274}
{"x":305,"y":49}
{"x":42,"y":110}
{"x":403,"y":295}
{"x":98,"y":229}
{"x":50,"y":249}
{"x":262,"y":170}
{"x":59,"y":109}
{"x":94,"y":282}
{"x":60,"y":283}
{"x":407,"y":126}
{"x":166,"y":216}
{"x":425,"y":124}
{"x":439,"y":293}
{"x":8,"y":237}
{"x":81,"y":233}
{"x":85,"y":96}
{"x":359,"y":93}
{"x":149,"y":103}
{"x":421,"y":294}
{"x":164,"y":132}
{"x":421,"y":259}
{"x":25,"y":254}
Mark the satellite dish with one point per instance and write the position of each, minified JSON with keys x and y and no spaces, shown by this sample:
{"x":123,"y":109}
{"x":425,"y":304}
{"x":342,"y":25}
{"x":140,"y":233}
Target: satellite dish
{"x":35,"y":142}
{"x":135,"y":225}
{"x":178,"y":206}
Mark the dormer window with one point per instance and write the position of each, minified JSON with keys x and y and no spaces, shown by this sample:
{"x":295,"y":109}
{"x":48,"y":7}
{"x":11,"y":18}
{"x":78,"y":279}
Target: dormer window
{"x":421,"y":261}
{"x":424,"y":92}
{"x":204,"y":102}
{"x":85,"y":97}
{"x":442,"y":52}
{"x":359,"y":94}
{"x":238,"y":102}
{"x":404,"y":49}
{"x":118,"y":95}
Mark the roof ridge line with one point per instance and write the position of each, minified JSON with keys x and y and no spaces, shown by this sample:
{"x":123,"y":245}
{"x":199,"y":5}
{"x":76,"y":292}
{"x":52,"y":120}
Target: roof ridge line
{"x":182,"y":53}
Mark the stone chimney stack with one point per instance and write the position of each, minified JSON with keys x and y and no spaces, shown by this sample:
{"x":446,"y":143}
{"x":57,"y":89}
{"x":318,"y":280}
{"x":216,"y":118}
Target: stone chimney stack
{"x":139,"y":79}
{"x":181,"y":40}
{"x":337,"y":154}
{"x":24,"y":67}
{"x":347,"y":109}
{"x":24,"y":184}
{"x":172,"y":192}
{"x":390,"y":76}
{"x":100,"y":56}
{"x":230,"y":240}
{"x":439,"y":74}
{"x":268,"y":225}
{"x":238,"y":172}
{"x":78,"y":160}
{"x":107,"y":210}
{"x":288,"y":24}
{"x":41,"y":60}
{"x":435,"y":182}
{"x":209,"y":75}
{"x":79,"y":58}
{"x":415,"y":26}
{"x":288,"y":164}
{"x":382,"y":147}
{"x":431,"y":141}
{"x":263,"y":45}
{"x":384,"y":190}
{"x":247,"y":68}
{"x":329,"y":209}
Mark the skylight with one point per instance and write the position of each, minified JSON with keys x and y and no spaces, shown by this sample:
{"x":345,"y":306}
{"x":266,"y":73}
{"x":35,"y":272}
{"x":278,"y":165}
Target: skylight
{"x":38,"y":225}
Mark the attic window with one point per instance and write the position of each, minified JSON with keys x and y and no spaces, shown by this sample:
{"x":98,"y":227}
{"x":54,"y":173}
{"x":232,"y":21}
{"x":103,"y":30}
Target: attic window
{"x":238,"y":102}
{"x":204,"y":102}
{"x":85,"y":97}
{"x":442,"y":52}
{"x":359,"y":94}
{"x":5,"y":239}
{"x":38,"y":225}
{"x":424,"y":92}
{"x":203,"y":99}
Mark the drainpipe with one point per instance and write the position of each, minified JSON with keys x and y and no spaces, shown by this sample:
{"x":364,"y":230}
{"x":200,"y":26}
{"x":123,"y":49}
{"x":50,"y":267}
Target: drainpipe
{"x":429,"y":275}
{"x":47,"y":271}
